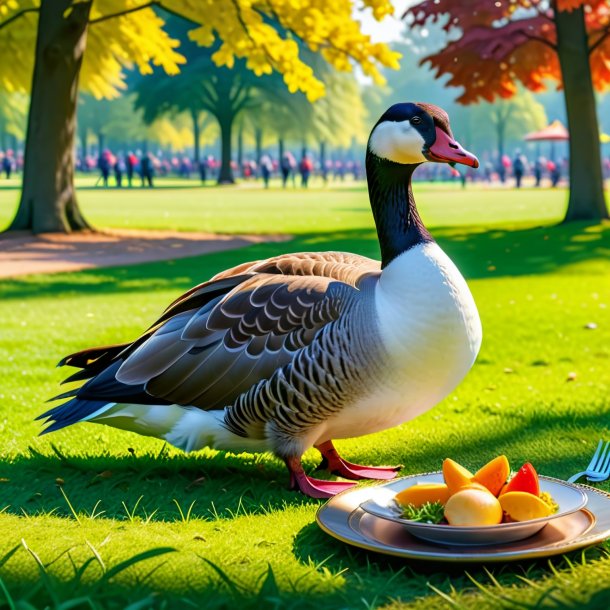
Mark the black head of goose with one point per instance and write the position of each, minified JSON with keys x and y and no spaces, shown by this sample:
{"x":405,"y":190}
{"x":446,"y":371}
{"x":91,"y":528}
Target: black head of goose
{"x":294,"y":351}
{"x":406,"y":136}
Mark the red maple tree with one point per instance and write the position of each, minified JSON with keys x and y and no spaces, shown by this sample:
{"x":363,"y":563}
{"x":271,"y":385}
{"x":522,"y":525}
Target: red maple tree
{"x":504,"y":42}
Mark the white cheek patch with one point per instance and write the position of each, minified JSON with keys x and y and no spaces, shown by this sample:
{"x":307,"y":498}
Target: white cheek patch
{"x":397,"y":141}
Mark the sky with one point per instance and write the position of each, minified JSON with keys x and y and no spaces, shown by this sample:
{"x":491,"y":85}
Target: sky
{"x":390,"y":28}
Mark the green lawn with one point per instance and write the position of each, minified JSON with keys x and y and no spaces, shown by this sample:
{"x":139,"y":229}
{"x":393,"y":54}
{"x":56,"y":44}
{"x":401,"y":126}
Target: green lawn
{"x":178,"y":205}
{"x":88,"y":498}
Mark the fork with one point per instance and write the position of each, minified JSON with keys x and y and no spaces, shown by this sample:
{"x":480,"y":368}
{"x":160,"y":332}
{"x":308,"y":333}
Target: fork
{"x":599,"y":468}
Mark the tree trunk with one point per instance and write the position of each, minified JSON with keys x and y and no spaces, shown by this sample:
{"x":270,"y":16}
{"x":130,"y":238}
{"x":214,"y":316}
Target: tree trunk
{"x":322,"y":155}
{"x":500,"y":128}
{"x":280,"y":143}
{"x":101,"y":142}
{"x":48,"y":200}
{"x":196,"y":135}
{"x":240,"y":149}
{"x":225,"y":176}
{"x":586,"y":200}
{"x":83,"y":140}
{"x":258,"y":137}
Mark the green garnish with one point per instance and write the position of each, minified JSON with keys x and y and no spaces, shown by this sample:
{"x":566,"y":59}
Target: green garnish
{"x":546,"y":497}
{"x":430,"y":512}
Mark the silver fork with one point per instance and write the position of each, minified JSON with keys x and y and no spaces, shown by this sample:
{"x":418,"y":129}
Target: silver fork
{"x":599,"y":468}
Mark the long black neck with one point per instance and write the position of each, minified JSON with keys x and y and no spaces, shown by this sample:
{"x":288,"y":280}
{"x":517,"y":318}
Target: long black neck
{"x":399,"y":226}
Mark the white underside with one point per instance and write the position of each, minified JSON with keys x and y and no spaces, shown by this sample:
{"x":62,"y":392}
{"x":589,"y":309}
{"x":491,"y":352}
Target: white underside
{"x":431,"y":332}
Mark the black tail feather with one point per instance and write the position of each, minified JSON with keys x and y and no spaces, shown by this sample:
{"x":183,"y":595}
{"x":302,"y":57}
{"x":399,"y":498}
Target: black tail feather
{"x":69,"y":413}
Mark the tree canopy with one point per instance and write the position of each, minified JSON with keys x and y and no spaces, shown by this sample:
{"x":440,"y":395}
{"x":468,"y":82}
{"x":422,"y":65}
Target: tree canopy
{"x":502,"y":44}
{"x":63,"y":45}
{"x":494,"y":47}
{"x":123,"y":34}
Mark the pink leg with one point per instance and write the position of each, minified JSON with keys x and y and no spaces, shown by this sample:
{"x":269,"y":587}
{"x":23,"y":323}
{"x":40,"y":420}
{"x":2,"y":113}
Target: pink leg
{"x":314,"y":488}
{"x":337,"y":465}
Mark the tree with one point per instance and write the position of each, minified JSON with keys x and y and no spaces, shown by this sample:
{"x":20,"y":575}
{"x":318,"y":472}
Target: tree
{"x":203,"y":87}
{"x":89,"y":42}
{"x":13,"y":110}
{"x":509,"y":118}
{"x":117,"y":122}
{"x":529,"y":41}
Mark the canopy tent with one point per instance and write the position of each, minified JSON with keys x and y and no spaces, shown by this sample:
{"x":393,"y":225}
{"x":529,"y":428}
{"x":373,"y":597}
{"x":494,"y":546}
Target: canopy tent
{"x":556,"y":132}
{"x":551,"y":133}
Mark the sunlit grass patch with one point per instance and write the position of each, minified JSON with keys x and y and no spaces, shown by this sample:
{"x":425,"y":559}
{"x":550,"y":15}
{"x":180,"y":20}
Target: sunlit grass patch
{"x":91,"y":501}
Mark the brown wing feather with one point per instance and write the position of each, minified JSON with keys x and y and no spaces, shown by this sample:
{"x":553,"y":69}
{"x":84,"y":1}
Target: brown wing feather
{"x":208,"y":359}
{"x":221,"y":337}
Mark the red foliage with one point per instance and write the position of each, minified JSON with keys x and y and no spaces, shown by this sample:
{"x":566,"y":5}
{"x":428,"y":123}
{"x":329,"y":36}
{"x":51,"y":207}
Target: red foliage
{"x":505,"y":42}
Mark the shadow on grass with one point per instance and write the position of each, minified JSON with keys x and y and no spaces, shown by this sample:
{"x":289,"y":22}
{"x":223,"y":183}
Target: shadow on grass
{"x":225,"y":485}
{"x":479,"y":253}
{"x":163,"y":488}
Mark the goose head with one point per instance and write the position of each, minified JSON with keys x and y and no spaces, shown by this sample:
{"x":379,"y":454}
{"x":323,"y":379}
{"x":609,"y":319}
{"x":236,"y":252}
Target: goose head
{"x":406,"y":136}
{"x":410,"y":134}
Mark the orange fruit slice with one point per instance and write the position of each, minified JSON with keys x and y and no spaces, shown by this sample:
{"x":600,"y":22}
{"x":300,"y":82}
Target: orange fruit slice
{"x":455,"y":475}
{"x":494,"y":474}
{"x":523,"y":506}
{"x":419,"y":494}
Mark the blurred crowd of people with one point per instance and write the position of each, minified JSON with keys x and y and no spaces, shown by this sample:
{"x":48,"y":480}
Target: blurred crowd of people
{"x":10,"y":162}
{"x":520,"y":167}
{"x":126,"y":169}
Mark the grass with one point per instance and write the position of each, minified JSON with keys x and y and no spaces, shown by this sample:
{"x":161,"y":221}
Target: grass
{"x":97,"y":518}
{"x":178,"y":205}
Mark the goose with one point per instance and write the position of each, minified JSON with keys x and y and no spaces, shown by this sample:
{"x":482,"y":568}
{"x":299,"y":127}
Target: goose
{"x":293,"y":352}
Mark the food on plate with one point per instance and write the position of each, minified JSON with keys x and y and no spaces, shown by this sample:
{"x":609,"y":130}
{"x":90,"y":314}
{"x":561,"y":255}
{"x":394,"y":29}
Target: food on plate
{"x":488,"y":497}
{"x":423,"y":493}
{"x":430,"y":512}
{"x":523,"y":506}
{"x":473,"y":507}
{"x":455,"y":475}
{"x":494,"y":474}
{"x":526,"y":479}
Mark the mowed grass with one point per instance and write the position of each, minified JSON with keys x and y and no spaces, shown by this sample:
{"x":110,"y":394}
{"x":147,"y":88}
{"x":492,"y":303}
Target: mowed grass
{"x":183,"y":205}
{"x":96,"y":517}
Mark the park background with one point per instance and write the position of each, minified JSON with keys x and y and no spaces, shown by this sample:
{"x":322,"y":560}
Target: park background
{"x":94,"y":517}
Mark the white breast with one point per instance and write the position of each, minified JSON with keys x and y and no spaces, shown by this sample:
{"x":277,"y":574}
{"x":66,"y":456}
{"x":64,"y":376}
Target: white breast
{"x":431,"y":332}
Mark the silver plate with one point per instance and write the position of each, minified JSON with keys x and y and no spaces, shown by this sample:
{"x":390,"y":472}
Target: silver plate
{"x":342,"y":518}
{"x":569,"y":498}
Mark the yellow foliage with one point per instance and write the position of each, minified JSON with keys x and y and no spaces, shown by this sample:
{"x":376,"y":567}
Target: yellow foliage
{"x":327,"y":26}
{"x":137,"y":38}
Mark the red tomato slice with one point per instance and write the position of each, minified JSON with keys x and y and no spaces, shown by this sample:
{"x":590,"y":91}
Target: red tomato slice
{"x":526,"y":479}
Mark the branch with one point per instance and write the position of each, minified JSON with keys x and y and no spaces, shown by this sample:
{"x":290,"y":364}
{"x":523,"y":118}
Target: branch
{"x":210,"y":92}
{"x":604,"y":34}
{"x":125,"y":12}
{"x":17,"y":15}
{"x":548,"y":43}
{"x":242,"y":103}
{"x":247,"y":31}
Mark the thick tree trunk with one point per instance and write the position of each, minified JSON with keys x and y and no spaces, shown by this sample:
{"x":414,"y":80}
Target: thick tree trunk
{"x":258,"y":138}
{"x":322,"y":154}
{"x":196,"y":135}
{"x":225,"y":176}
{"x":280,"y":143}
{"x":101,"y":142}
{"x":586,"y":200}
{"x":48,"y":200}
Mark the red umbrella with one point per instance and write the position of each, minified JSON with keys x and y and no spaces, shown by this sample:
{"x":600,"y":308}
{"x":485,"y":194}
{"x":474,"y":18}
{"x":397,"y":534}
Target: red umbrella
{"x":553,"y":132}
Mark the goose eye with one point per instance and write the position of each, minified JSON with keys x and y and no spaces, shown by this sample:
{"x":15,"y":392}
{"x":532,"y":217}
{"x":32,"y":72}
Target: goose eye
{"x":416,"y":120}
